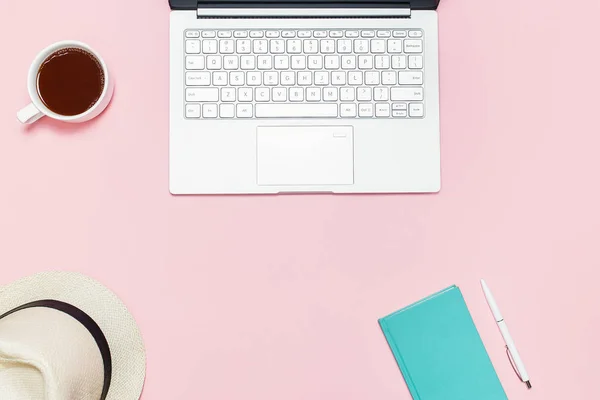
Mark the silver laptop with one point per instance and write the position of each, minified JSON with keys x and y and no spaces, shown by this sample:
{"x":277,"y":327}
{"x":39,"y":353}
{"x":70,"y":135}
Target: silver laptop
{"x":278,"y":96}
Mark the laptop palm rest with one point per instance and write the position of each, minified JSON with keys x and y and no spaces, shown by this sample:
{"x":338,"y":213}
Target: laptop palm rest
{"x":305,"y":155}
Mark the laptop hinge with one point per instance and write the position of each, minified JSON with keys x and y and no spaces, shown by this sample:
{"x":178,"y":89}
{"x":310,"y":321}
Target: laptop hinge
{"x":303,"y":9}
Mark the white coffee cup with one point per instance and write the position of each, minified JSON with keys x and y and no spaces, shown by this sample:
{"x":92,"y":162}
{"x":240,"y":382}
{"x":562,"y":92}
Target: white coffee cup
{"x":37,"y":109}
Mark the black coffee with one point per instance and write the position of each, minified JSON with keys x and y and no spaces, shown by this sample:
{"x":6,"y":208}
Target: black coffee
{"x":70,"y":81}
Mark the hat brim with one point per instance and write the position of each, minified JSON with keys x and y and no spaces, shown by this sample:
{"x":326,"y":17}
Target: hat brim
{"x":105,"y":308}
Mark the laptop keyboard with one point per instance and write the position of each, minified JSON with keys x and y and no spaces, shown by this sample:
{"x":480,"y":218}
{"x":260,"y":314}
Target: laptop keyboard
{"x":304,"y":74}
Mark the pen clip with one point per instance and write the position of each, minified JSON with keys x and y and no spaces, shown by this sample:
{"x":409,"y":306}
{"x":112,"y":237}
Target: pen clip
{"x":512,"y":363}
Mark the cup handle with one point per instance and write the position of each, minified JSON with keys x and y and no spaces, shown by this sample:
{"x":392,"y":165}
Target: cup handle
{"x":29,"y":114}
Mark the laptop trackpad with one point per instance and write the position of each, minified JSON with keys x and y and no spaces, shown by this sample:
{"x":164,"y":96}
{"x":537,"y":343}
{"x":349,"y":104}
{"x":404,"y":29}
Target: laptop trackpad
{"x":305,"y":155}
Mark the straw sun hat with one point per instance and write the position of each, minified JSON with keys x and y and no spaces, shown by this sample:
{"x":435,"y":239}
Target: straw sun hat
{"x":64,"y":336}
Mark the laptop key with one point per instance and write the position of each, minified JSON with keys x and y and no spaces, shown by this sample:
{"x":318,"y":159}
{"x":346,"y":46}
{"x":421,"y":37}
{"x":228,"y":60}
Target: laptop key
{"x":247,"y":62}
{"x":304,"y":78}
{"x":244,"y":110}
{"x":263,"y":94}
{"x":192,"y":110}
{"x":382,"y":110}
{"x":413,"y":46}
{"x":270,"y":78}
{"x":313,"y":94}
{"x":415,"y":62}
{"x":243,"y":46}
{"x":277,"y":46}
{"x":348,"y":62}
{"x":296,"y":94}
{"x":299,"y":62}
{"x":301,"y":110}
{"x":321,"y":78}
{"x":261,"y":46}
{"x":338,"y":78}
{"x":231,"y":62}
{"x":378,"y":46}
{"x":416,"y":110}
{"x":361,"y":46}
{"x":282,"y":62}
{"x":311,"y":46}
{"x":399,"y":62}
{"x":315,"y":62}
{"x":226,"y":46}
{"x":288,"y":78}
{"x":192,"y":46}
{"x":381,"y":94}
{"x":327,"y":46}
{"x":348,"y":110}
{"x":364,"y":94}
{"x":228,"y":94}
{"x":194,"y":62}
{"x":197,"y":78}
{"x":344,"y":46}
{"x":407,"y":94}
{"x":210,"y":46}
{"x":226,"y":111}
{"x":254,"y":78}
{"x":279,"y":94}
{"x":330,"y":94}
{"x":388,"y":77}
{"x":355,"y":78}
{"x":368,"y":34}
{"x":365,"y":62}
{"x":237,"y":78}
{"x":365,"y":110}
{"x":265,"y":62}
{"x":347,"y":94}
{"x":219,"y":78}
{"x":410,"y":78}
{"x":332,"y":62}
{"x":382,"y":62}
{"x":201,"y":94}
{"x":209,"y":111}
{"x":294,"y":46}
{"x":245,"y":94}
{"x":214,"y":62}
{"x":394,"y":46}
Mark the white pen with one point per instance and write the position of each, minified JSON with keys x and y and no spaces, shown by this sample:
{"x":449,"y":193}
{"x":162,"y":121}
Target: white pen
{"x":510,"y":344}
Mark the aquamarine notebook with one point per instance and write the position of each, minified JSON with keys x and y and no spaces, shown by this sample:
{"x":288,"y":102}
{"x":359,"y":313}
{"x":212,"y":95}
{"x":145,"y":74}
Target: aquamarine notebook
{"x":439,"y":350}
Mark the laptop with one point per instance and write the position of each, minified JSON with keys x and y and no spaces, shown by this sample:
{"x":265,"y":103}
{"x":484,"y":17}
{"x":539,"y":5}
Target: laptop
{"x":292,"y":96}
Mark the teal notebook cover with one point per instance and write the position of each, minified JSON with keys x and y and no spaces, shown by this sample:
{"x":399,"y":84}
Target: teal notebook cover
{"x":439,"y":350}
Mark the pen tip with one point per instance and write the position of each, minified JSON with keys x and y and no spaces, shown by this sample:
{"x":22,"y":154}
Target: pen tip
{"x":528,"y":384}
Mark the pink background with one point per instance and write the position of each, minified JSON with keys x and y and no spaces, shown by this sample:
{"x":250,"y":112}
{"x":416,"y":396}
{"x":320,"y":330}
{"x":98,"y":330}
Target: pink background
{"x":277,"y":297}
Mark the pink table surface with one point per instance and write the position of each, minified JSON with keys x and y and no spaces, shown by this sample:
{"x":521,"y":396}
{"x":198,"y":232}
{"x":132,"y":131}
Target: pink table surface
{"x":277,"y":297}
